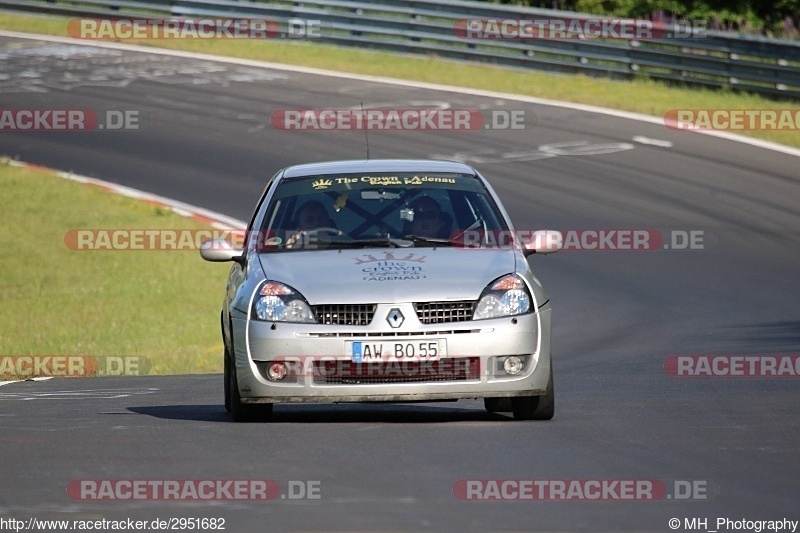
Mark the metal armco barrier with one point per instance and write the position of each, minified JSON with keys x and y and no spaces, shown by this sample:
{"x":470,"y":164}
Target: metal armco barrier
{"x":437,"y":28}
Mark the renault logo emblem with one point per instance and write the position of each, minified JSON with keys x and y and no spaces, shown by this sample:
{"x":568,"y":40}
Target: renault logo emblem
{"x":395,"y":318}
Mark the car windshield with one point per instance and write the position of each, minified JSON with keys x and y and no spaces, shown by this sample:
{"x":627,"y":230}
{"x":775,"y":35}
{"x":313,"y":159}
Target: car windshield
{"x":377,"y":210}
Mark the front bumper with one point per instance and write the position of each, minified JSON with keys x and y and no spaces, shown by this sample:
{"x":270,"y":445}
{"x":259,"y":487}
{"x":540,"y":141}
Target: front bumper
{"x":476,"y":347}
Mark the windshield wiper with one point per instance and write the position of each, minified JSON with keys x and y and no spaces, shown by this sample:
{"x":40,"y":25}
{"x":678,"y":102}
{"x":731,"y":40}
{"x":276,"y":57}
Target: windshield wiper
{"x":419,"y":239}
{"x":373,"y":241}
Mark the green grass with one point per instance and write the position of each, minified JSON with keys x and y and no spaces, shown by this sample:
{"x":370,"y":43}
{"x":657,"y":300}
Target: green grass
{"x":163,"y":305}
{"x":641,"y":96}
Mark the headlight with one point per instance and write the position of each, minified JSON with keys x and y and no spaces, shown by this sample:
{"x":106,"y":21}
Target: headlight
{"x":276,"y":302}
{"x":506,"y":296}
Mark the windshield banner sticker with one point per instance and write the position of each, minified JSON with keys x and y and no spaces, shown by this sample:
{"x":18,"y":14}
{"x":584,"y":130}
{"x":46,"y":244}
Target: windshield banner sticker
{"x":322,"y":184}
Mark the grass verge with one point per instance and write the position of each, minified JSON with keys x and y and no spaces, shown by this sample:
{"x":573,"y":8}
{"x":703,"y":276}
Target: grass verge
{"x":640,"y":96}
{"x":162,"y":305}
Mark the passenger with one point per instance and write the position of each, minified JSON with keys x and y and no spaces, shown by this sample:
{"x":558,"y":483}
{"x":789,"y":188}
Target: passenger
{"x":428,"y":219}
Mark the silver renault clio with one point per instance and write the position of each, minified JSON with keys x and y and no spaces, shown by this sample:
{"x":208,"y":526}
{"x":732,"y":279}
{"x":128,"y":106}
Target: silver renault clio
{"x":384,"y":280}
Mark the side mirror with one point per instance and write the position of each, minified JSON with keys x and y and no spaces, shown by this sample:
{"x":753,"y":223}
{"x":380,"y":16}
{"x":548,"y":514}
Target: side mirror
{"x":219,"y":251}
{"x":543,"y":241}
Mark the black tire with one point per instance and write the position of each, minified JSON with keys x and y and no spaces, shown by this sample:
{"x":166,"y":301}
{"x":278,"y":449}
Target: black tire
{"x":225,"y":368}
{"x":498,"y":405}
{"x":242,"y":412}
{"x":536,"y":407}
{"x":227,"y":380}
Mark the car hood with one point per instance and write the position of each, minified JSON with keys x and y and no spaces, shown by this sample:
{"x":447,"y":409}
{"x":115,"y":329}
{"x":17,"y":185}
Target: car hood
{"x":388,"y":275}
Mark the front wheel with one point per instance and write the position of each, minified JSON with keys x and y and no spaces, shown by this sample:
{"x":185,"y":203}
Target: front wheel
{"x":227,"y":380}
{"x":242,"y":412}
{"x":498,"y":405}
{"x":536,"y":407}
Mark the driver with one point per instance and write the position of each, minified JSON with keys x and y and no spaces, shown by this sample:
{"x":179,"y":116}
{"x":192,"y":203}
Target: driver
{"x":311,"y":216}
{"x":428,"y":219}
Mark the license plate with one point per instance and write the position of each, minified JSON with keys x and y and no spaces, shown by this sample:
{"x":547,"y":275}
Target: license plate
{"x":416,"y":350}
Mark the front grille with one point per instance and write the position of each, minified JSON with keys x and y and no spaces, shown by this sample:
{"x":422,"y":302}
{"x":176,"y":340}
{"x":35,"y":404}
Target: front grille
{"x":362,"y":334}
{"x":349,"y":373}
{"x":440,"y":312}
{"x":345,"y":314}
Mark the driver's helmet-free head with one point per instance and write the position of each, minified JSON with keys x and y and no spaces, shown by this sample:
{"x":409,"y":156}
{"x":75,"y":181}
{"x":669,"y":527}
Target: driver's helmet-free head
{"x":312,"y":214}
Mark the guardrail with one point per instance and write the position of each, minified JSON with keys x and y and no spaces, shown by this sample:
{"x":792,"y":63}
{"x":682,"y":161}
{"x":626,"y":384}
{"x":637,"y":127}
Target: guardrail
{"x":686,"y":56}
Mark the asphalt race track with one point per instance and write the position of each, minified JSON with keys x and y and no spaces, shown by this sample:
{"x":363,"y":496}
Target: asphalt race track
{"x":204,"y":137}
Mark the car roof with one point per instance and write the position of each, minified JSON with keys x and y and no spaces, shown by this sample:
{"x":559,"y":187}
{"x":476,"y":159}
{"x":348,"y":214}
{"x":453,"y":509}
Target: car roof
{"x":377,"y":165}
